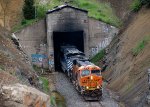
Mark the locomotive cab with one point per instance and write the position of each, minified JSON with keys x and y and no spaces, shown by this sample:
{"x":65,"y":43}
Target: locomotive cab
{"x":90,"y":81}
{"x":91,"y":77}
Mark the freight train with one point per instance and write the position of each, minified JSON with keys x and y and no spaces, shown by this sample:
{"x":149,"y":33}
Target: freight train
{"x":85,"y":76}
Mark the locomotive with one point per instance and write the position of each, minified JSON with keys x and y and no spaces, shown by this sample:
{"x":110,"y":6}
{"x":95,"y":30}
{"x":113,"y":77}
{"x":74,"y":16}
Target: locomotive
{"x":85,"y":76}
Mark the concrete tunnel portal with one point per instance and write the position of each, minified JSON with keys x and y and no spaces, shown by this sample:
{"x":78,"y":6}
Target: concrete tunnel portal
{"x":66,"y":25}
{"x":66,"y":38}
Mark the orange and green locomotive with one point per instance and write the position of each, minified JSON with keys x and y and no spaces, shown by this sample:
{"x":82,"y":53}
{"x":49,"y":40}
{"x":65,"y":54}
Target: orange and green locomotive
{"x":85,"y":76}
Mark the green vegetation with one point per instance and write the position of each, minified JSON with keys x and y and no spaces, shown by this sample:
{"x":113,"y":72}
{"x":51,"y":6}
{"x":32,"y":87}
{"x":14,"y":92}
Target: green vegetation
{"x":57,"y":100}
{"x":98,"y":57}
{"x":29,"y":9}
{"x":141,"y":45}
{"x":145,"y":2}
{"x":137,"y":4}
{"x":24,"y":24}
{"x":36,"y":68}
{"x":45,"y":83}
{"x":99,"y":11}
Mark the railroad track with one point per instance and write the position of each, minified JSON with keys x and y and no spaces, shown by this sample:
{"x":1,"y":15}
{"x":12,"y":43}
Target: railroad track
{"x":101,"y":104}
{"x":95,"y":104}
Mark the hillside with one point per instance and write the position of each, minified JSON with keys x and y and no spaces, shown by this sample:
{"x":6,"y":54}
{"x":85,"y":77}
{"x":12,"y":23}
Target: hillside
{"x":99,"y":10}
{"x":10,"y":12}
{"x":121,"y":7}
{"x":14,"y":65}
{"x":17,"y":77}
{"x":128,"y":60}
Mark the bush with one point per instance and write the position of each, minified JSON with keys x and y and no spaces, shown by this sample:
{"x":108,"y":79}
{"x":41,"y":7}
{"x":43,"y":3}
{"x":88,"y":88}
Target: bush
{"x":41,"y":11}
{"x":29,"y":9}
{"x":23,"y":22}
{"x":136,"y":5}
{"x":45,"y":83}
{"x":98,"y":57}
{"x":145,"y":2}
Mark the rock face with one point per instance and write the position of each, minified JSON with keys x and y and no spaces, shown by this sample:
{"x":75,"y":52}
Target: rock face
{"x":23,"y":96}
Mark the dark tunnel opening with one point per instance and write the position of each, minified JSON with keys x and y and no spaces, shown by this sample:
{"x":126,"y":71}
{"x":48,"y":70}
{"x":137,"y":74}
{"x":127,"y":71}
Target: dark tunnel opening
{"x":66,"y":38}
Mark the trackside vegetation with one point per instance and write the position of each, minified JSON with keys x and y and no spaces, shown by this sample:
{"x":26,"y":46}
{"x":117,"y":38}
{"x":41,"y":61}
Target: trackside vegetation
{"x":45,"y":84}
{"x":137,"y":4}
{"x":99,"y":56}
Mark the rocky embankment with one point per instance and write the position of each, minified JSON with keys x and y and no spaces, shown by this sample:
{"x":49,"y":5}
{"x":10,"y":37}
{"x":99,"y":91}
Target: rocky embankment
{"x":17,"y":77}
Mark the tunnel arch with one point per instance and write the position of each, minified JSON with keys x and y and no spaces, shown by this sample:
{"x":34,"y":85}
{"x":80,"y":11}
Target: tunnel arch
{"x":74,"y":38}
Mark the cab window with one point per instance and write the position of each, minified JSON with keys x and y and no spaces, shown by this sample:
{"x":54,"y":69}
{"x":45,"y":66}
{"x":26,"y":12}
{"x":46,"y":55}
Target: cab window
{"x":97,"y":72}
{"x":85,"y":73}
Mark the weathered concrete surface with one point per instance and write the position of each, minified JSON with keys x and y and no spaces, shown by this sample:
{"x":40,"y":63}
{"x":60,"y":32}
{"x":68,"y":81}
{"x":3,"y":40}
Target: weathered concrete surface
{"x":100,"y":35}
{"x":33,"y":40}
{"x":23,"y":96}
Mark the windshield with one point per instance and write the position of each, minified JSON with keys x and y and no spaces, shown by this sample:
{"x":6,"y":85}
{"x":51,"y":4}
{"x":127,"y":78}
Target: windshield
{"x":97,"y":72}
{"x":85,"y":73}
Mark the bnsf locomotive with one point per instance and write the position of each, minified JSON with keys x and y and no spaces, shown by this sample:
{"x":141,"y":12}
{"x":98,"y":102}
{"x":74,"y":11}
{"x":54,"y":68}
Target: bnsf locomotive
{"x":85,"y":75}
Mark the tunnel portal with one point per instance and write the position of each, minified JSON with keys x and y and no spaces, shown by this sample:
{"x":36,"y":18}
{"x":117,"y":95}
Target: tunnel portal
{"x":66,"y":38}
{"x":66,"y":25}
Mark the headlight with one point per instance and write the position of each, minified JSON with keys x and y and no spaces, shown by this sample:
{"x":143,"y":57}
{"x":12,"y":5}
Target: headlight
{"x":87,"y":87}
{"x":91,"y":77}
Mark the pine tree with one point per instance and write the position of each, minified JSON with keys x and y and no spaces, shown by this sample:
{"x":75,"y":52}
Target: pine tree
{"x":145,"y":2}
{"x":29,"y":9}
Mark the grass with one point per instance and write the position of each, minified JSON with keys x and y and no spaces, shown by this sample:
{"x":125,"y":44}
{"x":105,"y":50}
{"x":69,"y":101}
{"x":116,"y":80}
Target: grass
{"x":24,"y":24}
{"x":97,"y":10}
{"x":98,"y":57}
{"x":57,"y":100}
{"x":140,"y":45}
{"x":36,"y":68}
{"x":45,"y":83}
{"x":136,"y":5}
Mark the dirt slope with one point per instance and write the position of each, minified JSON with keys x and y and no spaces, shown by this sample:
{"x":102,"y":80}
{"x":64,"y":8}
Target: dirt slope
{"x":128,"y":73}
{"x":12,"y":11}
{"x":14,"y":65}
{"x":121,"y":7}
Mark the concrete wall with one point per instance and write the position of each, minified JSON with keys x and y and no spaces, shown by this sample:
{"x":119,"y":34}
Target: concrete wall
{"x":101,"y":35}
{"x":33,"y":41}
{"x":67,"y":20}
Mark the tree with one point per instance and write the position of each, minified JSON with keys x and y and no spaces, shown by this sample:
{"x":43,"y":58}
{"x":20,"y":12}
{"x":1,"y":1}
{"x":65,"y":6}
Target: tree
{"x":4,"y":5}
{"x":145,"y":2}
{"x":29,"y":9}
